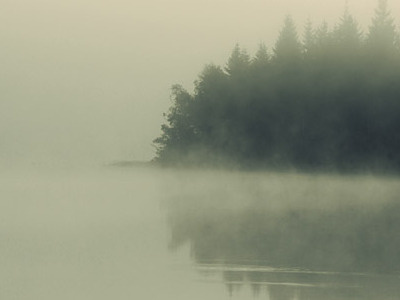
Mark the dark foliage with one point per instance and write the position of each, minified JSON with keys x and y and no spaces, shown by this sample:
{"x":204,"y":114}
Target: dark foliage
{"x":330,"y":101}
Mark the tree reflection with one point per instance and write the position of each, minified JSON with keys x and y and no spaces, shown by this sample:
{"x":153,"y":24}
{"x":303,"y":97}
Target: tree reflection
{"x":292,"y":252}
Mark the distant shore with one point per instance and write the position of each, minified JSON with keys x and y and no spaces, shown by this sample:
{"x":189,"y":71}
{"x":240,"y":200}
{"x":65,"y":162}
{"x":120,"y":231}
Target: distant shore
{"x":237,"y":167}
{"x":132,"y":163}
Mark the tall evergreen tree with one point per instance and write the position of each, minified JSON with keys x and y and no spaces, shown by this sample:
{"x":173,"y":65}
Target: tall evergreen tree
{"x":323,"y":42}
{"x":238,"y":62}
{"x":178,"y":133}
{"x":287,"y":47}
{"x":211,"y":83}
{"x":260,"y":66}
{"x":347,"y":34}
{"x":308,"y":38}
{"x":211,"y":102}
{"x":261,"y":57}
{"x":322,"y":34}
{"x":382,"y":36}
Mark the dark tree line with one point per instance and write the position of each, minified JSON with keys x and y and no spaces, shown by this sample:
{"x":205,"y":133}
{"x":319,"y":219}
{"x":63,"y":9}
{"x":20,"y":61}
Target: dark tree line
{"x":330,"y":98}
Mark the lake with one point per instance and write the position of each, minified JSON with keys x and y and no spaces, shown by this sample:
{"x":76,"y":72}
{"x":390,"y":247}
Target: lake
{"x":142,"y":233}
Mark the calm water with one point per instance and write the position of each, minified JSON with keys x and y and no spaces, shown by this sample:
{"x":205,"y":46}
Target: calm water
{"x":147,"y":234}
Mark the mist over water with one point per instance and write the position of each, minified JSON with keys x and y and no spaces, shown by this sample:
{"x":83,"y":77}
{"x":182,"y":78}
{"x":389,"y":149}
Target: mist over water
{"x":293,"y":236}
{"x":148,"y":233}
{"x":83,"y":88}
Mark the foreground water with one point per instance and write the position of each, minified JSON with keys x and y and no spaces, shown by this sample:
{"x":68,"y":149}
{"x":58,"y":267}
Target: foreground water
{"x":151,"y":234}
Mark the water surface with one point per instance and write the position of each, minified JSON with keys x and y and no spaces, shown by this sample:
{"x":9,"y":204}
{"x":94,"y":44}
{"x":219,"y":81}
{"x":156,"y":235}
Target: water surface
{"x":158,"y":234}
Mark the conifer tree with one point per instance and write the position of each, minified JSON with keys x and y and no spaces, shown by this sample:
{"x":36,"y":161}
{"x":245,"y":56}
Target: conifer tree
{"x":347,"y":34}
{"x":260,"y":67}
{"x":261,"y":57}
{"x":323,"y":42}
{"x":308,"y":38}
{"x":178,"y":133}
{"x":322,"y":34}
{"x":238,"y":62}
{"x":382,"y":36}
{"x":211,"y":100}
{"x":287,"y":47}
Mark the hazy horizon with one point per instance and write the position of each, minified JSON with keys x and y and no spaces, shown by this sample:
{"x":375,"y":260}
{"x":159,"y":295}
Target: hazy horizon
{"x":89,"y":81}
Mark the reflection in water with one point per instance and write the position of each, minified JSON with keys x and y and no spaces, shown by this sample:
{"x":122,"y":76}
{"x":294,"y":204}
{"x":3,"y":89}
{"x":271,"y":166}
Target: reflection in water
{"x":310,"y":248}
{"x":291,"y":284}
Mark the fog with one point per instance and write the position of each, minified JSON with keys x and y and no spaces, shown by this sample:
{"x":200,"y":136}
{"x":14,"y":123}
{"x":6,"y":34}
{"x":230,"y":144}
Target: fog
{"x":142,"y":233}
{"x":85,"y":83}
{"x":88,"y":81}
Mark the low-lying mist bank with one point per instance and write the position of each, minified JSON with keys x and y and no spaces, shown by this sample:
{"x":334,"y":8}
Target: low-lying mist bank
{"x":319,"y":223}
{"x":106,"y":231}
{"x":227,"y":164}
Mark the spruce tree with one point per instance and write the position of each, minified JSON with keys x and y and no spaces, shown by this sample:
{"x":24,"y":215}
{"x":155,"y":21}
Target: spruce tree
{"x":347,"y":34}
{"x":308,"y":38}
{"x":238,"y":62}
{"x":261,"y":57}
{"x":383,"y":37}
{"x":287,"y":47}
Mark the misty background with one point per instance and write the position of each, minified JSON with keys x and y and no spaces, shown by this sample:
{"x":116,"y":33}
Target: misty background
{"x":88,"y":81}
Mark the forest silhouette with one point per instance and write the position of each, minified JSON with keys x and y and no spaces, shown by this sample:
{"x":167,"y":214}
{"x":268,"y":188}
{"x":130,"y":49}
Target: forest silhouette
{"x":329,"y":98}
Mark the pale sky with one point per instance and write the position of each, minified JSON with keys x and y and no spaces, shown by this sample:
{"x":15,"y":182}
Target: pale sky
{"x":89,"y":80}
